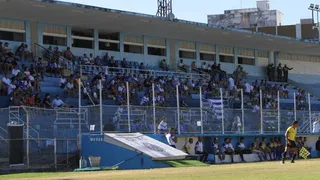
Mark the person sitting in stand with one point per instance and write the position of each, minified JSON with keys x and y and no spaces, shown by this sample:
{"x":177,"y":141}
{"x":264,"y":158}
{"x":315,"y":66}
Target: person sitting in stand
{"x":265,"y":148}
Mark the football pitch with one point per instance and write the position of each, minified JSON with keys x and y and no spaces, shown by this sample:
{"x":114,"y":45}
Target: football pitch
{"x":302,"y":169}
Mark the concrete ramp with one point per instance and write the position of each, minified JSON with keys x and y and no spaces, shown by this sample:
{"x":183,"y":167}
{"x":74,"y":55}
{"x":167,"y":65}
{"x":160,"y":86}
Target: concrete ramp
{"x":144,"y":144}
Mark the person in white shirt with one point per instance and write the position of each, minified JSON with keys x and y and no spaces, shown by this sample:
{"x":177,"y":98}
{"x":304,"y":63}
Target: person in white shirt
{"x":163,"y":127}
{"x":247,"y":88}
{"x":231,"y":82}
{"x":200,"y":150}
{"x":316,"y":126}
{"x":228,"y":148}
{"x":63,"y":82}
{"x":256,"y":108}
{"x":236,"y":125}
{"x":145,"y":100}
{"x":217,"y":150}
{"x":171,"y":138}
{"x":57,"y":102}
{"x":6,"y":80}
{"x":11,"y":88}
{"x":15,"y":71}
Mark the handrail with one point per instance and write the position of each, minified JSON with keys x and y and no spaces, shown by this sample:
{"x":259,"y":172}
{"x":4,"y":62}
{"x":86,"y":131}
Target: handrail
{"x":5,"y":132}
{"x":153,"y":72}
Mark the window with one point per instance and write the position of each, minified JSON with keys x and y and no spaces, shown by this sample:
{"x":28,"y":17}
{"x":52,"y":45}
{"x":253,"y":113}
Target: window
{"x":187,"y":54}
{"x":207,"y":57}
{"x":109,"y":41}
{"x":187,"y":50}
{"x":247,"y":61}
{"x":12,"y":30}
{"x":82,"y":38}
{"x":59,"y":41}
{"x":226,"y":59}
{"x":136,"y":49}
{"x":133,"y":44}
{"x":12,"y":36}
{"x":157,"y":47}
{"x":54,"y":35}
{"x":156,"y":51}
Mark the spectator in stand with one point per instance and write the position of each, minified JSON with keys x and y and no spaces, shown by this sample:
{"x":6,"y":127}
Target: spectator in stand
{"x":47,"y":101}
{"x":286,"y":70}
{"x":86,"y":59}
{"x":69,"y":55}
{"x":163,"y":65}
{"x":163,"y":126}
{"x":70,"y":87}
{"x":63,"y":82}
{"x":217,"y":150}
{"x":124,"y":63}
{"x":142,"y":68}
{"x":279,"y":72}
{"x":228,"y":148}
{"x":231,"y":82}
{"x":236,"y":125}
{"x":204,"y":67}
{"x":182,"y":66}
{"x":91,"y":58}
{"x":7,"y":50}
{"x":20,"y":51}
{"x":57,"y":102}
{"x":15,"y":71}
{"x":106,"y":59}
{"x":316,"y":126}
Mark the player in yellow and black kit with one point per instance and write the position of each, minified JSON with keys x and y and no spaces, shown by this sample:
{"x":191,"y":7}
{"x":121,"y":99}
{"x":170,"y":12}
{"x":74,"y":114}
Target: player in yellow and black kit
{"x":291,"y":144}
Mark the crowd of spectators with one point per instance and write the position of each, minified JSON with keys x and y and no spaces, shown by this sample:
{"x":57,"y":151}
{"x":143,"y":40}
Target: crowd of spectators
{"x":28,"y":80}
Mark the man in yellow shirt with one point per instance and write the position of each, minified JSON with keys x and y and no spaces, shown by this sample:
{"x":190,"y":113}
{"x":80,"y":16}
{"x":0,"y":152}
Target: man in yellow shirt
{"x":291,"y":142}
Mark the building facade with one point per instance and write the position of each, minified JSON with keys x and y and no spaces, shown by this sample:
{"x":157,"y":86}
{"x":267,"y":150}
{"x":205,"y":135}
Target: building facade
{"x":261,"y":16}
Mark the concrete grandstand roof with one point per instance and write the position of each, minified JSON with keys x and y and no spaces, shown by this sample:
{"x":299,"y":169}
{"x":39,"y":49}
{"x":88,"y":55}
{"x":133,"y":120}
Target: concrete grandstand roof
{"x":56,"y":12}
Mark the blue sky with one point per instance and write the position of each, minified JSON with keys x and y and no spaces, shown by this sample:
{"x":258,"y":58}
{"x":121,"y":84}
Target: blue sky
{"x":197,"y":10}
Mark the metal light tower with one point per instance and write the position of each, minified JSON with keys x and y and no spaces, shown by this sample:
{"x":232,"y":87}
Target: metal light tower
{"x":316,"y":8}
{"x":165,"y":9}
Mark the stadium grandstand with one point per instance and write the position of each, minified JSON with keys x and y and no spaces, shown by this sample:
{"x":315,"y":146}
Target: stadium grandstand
{"x":90,"y":69}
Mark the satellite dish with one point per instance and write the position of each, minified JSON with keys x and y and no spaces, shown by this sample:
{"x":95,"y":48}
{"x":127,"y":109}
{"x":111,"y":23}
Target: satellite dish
{"x":171,"y":16}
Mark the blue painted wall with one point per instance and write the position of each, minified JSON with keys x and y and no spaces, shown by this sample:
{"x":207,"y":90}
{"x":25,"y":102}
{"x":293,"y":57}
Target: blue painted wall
{"x":93,"y":145}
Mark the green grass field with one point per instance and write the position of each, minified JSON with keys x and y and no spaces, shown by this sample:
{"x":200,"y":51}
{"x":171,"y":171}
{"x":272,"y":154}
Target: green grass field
{"x":303,"y":169}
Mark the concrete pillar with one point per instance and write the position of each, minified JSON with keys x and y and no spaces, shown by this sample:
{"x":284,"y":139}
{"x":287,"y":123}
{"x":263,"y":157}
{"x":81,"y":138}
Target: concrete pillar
{"x":271,"y":57}
{"x":69,"y":38}
{"x":168,"y":50}
{"x":96,"y":42}
{"x":145,"y":49}
{"x":175,"y":51}
{"x":197,"y":53}
{"x":235,"y":52}
{"x":217,"y":55}
{"x":121,"y":45}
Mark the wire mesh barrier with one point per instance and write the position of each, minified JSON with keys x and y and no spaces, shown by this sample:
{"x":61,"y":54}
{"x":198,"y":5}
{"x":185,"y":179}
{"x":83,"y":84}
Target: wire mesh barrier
{"x":44,"y":153}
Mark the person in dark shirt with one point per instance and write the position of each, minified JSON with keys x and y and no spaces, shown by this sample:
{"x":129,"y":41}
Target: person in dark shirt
{"x":279,"y":72}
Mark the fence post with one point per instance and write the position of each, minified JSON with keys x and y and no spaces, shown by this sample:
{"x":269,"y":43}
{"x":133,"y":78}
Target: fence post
{"x":154,"y":110}
{"x":178,"y":108}
{"x":55,"y":153}
{"x":310,"y":118}
{"x":222,"y":110}
{"x":279,"y":115}
{"x":128,"y":106}
{"x":201,"y":115}
{"x":67,"y":152}
{"x":100,"y":94}
{"x":295,"y":106}
{"x":28,"y":140}
{"x":261,"y":113}
{"x":242,"y":111}
{"x":79,"y":101}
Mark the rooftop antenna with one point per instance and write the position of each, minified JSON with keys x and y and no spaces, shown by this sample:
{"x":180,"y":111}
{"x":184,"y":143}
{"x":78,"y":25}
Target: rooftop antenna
{"x":165,"y":9}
